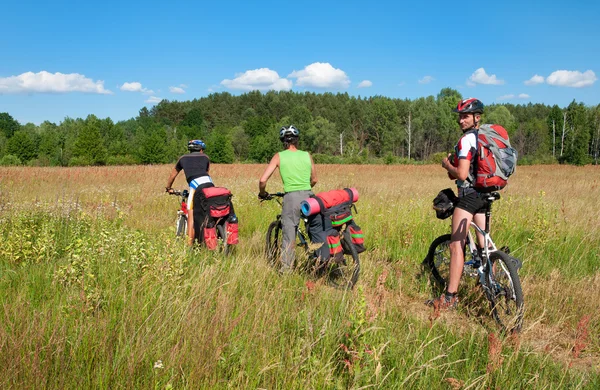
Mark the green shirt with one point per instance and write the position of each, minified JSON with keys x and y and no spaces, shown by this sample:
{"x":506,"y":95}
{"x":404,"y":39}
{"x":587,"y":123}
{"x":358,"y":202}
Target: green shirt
{"x":295,"y":168}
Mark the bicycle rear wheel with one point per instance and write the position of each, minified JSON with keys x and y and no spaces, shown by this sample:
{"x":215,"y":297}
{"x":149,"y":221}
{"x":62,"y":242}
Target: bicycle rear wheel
{"x":222,"y":239}
{"x":181,"y":225}
{"x":344,"y":274}
{"x":506,"y":292}
{"x":438,"y":260}
{"x":273,"y":243}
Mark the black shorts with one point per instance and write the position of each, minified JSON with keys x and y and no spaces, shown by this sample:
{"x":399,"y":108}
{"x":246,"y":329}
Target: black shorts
{"x":473,"y":203}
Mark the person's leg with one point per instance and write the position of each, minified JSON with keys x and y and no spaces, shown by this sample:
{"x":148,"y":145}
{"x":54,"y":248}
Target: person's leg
{"x":200,"y":213}
{"x":290,"y":218}
{"x":190,"y":221}
{"x":461,"y":220}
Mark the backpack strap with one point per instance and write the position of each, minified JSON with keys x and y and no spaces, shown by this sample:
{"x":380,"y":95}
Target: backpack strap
{"x":351,"y":202}
{"x":322,"y":207}
{"x":472,"y":176}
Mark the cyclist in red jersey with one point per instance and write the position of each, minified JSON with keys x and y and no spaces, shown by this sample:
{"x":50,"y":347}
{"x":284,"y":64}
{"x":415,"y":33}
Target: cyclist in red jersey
{"x":470,"y":204}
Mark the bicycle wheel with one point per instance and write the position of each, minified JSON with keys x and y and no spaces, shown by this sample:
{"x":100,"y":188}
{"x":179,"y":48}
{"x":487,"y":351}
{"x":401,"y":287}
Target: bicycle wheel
{"x":273,"y":243}
{"x":344,"y":275}
{"x":438,"y":260}
{"x":181,"y":225}
{"x":506,"y":292}
{"x":222,"y":239}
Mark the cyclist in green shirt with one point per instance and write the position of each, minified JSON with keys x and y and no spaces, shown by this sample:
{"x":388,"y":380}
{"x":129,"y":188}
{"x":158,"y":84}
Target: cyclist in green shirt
{"x":298,"y":174}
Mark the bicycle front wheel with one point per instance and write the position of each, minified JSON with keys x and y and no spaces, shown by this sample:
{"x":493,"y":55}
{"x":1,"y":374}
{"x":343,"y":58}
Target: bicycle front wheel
{"x":181,"y":225}
{"x":273,"y":243}
{"x":438,"y":260}
{"x":506,"y":292}
{"x":344,"y":274}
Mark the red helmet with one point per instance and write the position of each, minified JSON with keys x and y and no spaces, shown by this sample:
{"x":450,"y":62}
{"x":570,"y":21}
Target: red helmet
{"x":469,"y":106}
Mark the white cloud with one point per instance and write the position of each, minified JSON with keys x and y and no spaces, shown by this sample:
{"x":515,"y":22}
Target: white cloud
{"x":153,"y":100}
{"x":321,"y":75}
{"x":513,"y":96}
{"x":263,"y":79}
{"x":402,"y":83}
{"x":178,"y":90}
{"x":536,"y":79}
{"x":365,"y":84}
{"x":426,"y":80}
{"x":481,"y":77}
{"x":506,"y":97}
{"x":572,"y":78}
{"x":135,"y":87}
{"x":183,"y":85}
{"x":45,"y":82}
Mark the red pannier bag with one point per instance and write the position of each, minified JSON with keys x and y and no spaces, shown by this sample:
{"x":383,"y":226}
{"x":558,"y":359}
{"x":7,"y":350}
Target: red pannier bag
{"x":210,"y":237}
{"x":357,"y":236}
{"x":218,"y":201}
{"x":232,"y":230}
{"x":336,"y":252}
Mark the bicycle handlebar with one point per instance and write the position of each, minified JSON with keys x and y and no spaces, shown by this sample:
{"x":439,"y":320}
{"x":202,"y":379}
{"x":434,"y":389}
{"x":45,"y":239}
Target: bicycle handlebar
{"x":179,"y":193}
{"x":272,"y":196}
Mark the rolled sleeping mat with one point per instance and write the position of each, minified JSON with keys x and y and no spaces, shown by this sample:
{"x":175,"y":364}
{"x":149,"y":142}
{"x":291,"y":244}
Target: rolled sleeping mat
{"x":311,"y":206}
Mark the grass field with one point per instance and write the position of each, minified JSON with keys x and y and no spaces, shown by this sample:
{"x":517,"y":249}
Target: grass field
{"x":95,"y":292}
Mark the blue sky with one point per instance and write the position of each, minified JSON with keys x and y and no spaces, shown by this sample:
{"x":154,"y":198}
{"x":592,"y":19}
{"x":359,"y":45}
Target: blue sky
{"x":110,"y":58}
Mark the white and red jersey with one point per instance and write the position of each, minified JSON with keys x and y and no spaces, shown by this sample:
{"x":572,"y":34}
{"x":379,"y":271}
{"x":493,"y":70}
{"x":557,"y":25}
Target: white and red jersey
{"x":466,"y":148}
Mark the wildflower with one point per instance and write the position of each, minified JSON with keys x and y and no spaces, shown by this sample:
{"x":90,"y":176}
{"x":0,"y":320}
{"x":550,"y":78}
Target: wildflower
{"x":158,"y":364}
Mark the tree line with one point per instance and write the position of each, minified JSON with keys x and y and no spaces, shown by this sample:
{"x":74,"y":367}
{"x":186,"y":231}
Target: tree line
{"x":335,"y":128}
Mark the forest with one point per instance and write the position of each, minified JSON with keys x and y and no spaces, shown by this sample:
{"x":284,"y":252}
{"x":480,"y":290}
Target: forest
{"x":335,"y":128}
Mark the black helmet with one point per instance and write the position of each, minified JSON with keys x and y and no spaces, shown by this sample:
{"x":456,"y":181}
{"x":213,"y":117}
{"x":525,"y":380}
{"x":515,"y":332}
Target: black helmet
{"x":196,"y":145}
{"x":290,"y":131}
{"x":469,"y":106}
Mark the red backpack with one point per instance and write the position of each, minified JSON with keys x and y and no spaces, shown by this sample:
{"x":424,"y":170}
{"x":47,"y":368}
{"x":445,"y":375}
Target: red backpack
{"x":495,"y":159}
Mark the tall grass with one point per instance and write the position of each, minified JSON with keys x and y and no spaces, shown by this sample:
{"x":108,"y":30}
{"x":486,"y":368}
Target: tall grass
{"x":96,"y":293}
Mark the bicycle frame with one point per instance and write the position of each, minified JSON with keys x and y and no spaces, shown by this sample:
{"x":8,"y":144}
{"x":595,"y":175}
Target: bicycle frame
{"x":489,"y":247}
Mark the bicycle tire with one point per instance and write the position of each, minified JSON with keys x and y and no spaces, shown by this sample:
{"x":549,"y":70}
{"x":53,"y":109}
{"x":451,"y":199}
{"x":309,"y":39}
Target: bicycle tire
{"x":273,"y":243}
{"x":222,"y":239}
{"x":506,"y":293}
{"x":345,"y":275}
{"x":438,"y":260}
{"x":181,"y":225}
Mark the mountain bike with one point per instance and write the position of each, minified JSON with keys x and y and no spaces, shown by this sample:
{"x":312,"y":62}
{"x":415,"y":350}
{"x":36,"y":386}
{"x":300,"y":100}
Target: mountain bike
{"x":340,"y":274}
{"x":181,"y":223}
{"x":496,"y":271}
{"x":182,"y":213}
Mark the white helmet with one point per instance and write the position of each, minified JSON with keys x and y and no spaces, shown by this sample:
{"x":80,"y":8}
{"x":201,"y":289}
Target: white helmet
{"x":288,"y":131}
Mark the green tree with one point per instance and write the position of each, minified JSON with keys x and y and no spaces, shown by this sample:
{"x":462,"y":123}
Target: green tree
{"x":8,"y":125}
{"x":321,"y":137}
{"x":500,"y":115}
{"x":554,"y":122}
{"x":579,"y":135}
{"x":22,"y":146}
{"x":152,"y":149}
{"x":447,"y":100}
{"x":263,"y":147}
{"x":219,"y":148}
{"x":241,"y":143}
{"x":89,"y":145}
{"x":49,"y":152}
